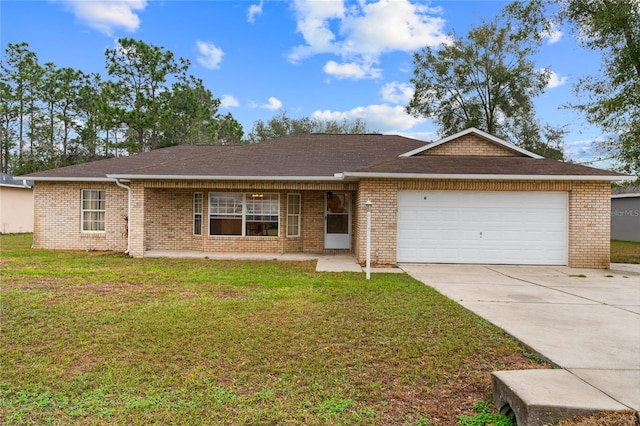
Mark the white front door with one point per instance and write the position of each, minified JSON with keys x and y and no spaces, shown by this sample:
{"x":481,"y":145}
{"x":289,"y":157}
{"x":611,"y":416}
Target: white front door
{"x":337,"y":223}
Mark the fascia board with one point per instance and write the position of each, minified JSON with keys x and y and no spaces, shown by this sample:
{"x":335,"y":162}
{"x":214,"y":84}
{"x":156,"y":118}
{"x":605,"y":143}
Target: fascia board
{"x":10,"y":185}
{"x":67,"y":179}
{"x":244,"y":178}
{"x":485,"y":177}
{"x":626,"y":195}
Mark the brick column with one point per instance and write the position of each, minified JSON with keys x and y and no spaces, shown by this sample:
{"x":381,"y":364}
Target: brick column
{"x":383,"y":193}
{"x":137,"y":220}
{"x":589,"y":225}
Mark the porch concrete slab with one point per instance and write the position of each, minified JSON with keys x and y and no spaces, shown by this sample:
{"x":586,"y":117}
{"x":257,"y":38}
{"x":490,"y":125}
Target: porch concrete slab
{"x":338,"y":263}
{"x":326,"y":262}
{"x":540,"y":397}
{"x":375,"y":270}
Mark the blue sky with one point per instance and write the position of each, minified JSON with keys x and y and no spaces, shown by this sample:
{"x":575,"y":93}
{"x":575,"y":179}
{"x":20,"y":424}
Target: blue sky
{"x":330,"y":59}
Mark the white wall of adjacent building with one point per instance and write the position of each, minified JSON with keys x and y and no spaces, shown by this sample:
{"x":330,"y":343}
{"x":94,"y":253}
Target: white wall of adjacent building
{"x":16,"y":209}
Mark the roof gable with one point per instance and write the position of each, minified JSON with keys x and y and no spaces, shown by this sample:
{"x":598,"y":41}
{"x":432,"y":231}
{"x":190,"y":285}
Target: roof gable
{"x":472,"y":142}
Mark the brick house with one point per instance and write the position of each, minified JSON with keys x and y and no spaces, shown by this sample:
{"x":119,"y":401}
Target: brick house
{"x":467,"y":198}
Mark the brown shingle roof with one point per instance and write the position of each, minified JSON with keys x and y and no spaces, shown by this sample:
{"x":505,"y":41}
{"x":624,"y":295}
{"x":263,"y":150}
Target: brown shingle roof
{"x":483,"y":165}
{"x":311,"y":155}
{"x":99,"y":169}
{"x":299,"y":155}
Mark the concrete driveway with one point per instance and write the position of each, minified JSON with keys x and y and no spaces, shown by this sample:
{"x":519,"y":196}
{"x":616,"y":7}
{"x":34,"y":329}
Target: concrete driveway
{"x":586,"y":321}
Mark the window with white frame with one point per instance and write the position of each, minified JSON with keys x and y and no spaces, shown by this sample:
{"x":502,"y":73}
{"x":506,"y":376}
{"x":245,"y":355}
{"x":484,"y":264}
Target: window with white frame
{"x":262,"y":213}
{"x":93,"y":209}
{"x":197,"y":213}
{"x":225,"y":213}
{"x":234,"y":213}
{"x":293,"y":215}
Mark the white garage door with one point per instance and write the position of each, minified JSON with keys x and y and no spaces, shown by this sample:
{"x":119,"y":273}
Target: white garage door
{"x":482,"y":227}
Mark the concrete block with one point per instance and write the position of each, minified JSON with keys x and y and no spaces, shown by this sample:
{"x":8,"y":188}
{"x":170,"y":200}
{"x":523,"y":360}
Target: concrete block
{"x":540,"y":397}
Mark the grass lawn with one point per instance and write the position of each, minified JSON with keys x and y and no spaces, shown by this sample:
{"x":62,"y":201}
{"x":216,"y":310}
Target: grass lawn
{"x":94,"y":338}
{"x":625,"y":251}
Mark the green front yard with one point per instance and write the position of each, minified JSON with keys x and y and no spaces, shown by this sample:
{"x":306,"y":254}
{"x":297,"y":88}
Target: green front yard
{"x":94,"y":338}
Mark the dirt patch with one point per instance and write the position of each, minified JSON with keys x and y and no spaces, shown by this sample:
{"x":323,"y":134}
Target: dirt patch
{"x":228,"y":294}
{"x":32,"y":284}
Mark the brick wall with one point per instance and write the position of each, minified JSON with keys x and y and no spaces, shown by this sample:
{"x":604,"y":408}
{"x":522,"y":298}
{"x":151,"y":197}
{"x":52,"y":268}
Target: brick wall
{"x":162,"y":216}
{"x":137,"y":221}
{"x":470,"y":145}
{"x":57,"y":221}
{"x":383,"y":193}
{"x":312,"y":231}
{"x":590,"y":225}
{"x":589,"y":214}
{"x":169,"y":219}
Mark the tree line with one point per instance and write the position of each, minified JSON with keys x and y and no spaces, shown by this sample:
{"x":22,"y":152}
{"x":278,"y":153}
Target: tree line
{"x":487,"y":79}
{"x":51,"y":117}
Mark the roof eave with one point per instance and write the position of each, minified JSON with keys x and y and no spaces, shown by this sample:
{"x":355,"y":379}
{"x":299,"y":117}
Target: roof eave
{"x":631,"y":195}
{"x":243,"y":178}
{"x":68,"y":179}
{"x":457,"y":176}
{"x":10,"y":185}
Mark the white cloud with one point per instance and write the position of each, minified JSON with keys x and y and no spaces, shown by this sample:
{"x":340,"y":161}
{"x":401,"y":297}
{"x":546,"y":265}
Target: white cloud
{"x":363,"y":31}
{"x":210,"y":55}
{"x":383,"y":118}
{"x":313,"y":22}
{"x":556,"y":80}
{"x":582,"y":149}
{"x":428,"y":136}
{"x":254,"y":10}
{"x":389,"y":25}
{"x":397,"y":93}
{"x":272,"y":105}
{"x":108,"y":15}
{"x":554,"y":34}
{"x":228,"y":101}
{"x":352,"y":70}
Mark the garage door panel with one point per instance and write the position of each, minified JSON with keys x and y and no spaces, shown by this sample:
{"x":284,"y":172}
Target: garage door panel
{"x":482,"y":227}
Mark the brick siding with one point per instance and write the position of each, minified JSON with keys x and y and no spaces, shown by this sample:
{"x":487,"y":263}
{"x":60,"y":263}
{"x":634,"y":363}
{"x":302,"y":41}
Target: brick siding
{"x":470,"y":145}
{"x":162,"y":216}
{"x":590,"y":225}
{"x":589,"y":215}
{"x":57,"y":219}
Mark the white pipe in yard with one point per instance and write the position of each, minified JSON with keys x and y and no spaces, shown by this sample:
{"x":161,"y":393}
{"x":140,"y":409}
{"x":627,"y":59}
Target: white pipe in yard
{"x":368,"y":205}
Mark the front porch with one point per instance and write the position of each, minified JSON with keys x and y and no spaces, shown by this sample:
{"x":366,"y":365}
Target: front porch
{"x":249,"y":218}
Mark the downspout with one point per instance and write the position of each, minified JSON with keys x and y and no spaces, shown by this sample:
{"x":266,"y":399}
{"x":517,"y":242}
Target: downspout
{"x":128,"y":213}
